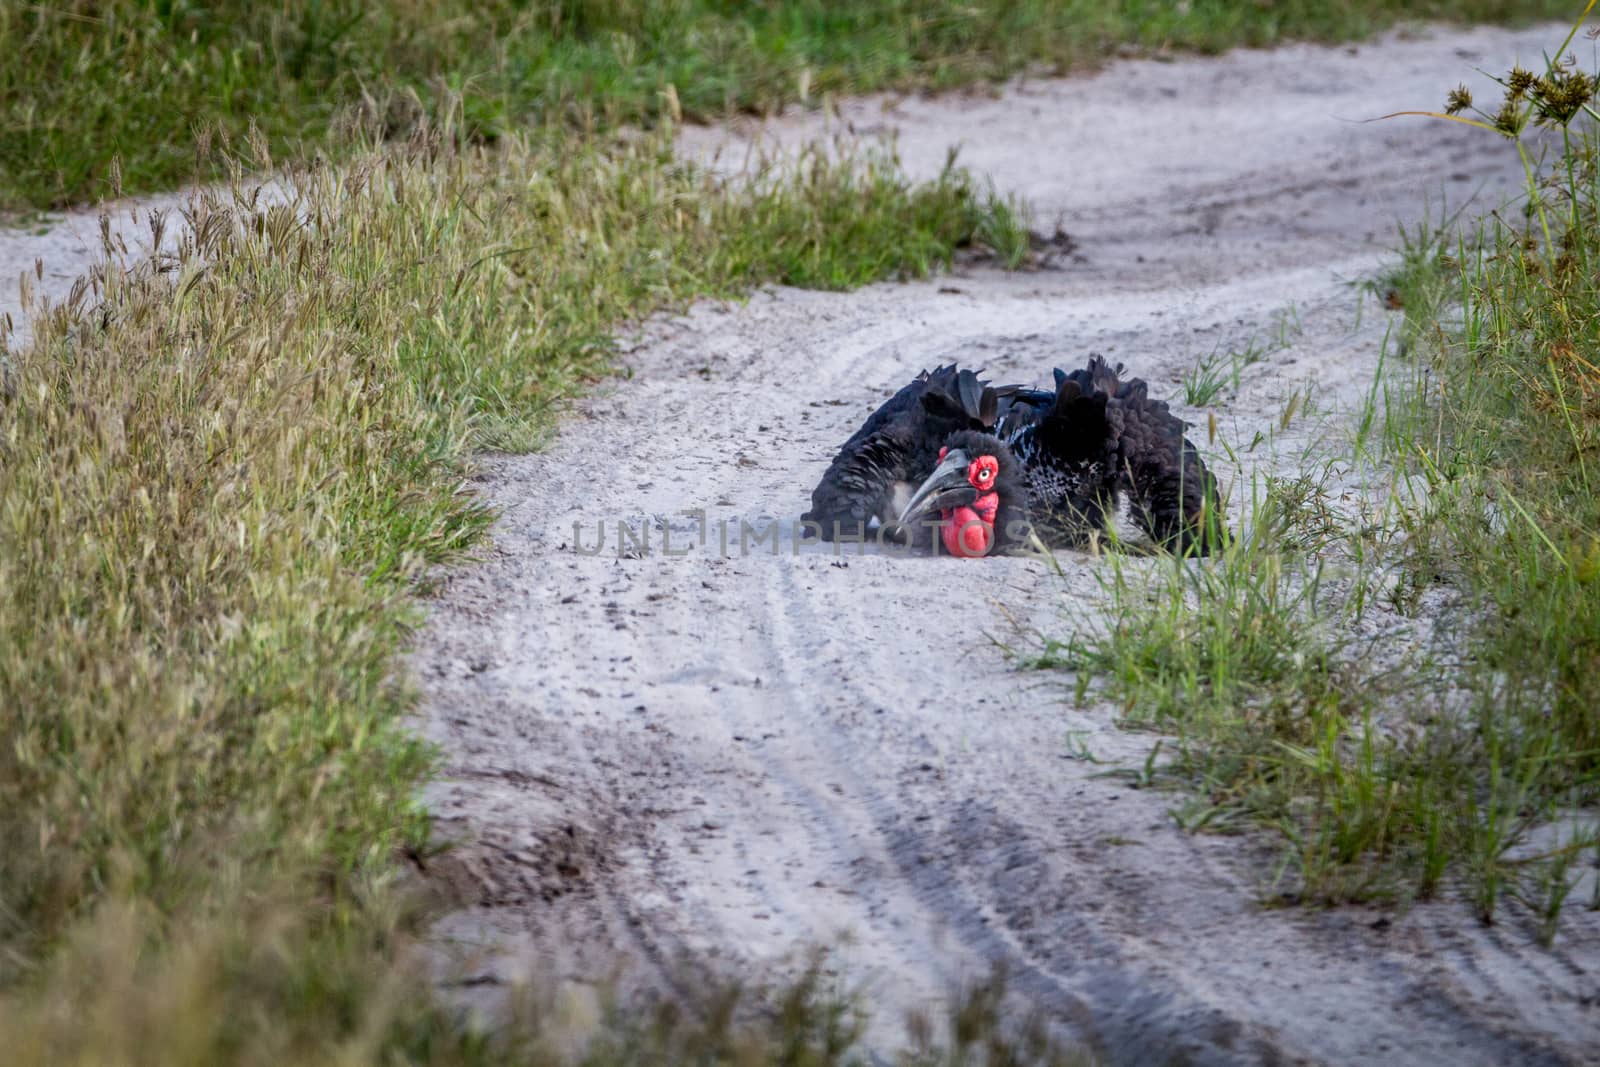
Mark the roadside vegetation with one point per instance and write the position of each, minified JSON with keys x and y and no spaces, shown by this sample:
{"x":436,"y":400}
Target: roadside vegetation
{"x":91,"y":88}
{"x":1473,"y":765}
{"x":223,"y":474}
{"x":1218,"y":373}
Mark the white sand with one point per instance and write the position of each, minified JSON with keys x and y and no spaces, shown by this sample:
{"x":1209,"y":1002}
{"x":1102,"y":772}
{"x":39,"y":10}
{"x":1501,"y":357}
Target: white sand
{"x":732,"y":758}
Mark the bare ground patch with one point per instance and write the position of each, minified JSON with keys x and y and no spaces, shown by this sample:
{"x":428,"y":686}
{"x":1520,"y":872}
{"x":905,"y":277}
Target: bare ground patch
{"x":733,"y":757}
{"x":804,"y":747}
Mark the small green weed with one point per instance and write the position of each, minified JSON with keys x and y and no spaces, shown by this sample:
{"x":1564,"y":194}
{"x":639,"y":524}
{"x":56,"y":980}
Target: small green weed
{"x":1222,"y":369}
{"x":1006,"y":230}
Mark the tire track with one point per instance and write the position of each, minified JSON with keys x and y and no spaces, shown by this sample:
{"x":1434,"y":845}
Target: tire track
{"x":755,"y":753}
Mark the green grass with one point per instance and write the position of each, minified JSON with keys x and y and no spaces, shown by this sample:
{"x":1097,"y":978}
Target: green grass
{"x":1507,"y":439}
{"x":87,"y":83}
{"x":219,"y":491}
{"x":1499,"y":419}
{"x":1382,"y":780}
{"x":1480,"y":442}
{"x":1242,"y":658}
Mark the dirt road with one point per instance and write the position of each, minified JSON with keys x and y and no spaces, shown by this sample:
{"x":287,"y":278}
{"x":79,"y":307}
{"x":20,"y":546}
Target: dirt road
{"x":735,"y":754}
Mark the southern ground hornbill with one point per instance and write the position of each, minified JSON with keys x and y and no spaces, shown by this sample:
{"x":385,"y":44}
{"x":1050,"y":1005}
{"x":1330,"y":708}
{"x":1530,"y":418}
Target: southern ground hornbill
{"x":1003,"y":466}
{"x":876,"y":472}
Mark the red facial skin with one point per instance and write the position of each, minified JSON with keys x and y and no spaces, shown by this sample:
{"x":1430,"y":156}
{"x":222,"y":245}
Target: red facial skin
{"x":968,"y":531}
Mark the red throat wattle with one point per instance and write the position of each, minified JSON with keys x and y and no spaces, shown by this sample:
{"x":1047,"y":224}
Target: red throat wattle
{"x":968,"y":531}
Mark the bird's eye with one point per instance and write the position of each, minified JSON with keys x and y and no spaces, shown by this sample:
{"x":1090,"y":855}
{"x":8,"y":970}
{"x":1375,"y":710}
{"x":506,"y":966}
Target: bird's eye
{"x":982,"y":472}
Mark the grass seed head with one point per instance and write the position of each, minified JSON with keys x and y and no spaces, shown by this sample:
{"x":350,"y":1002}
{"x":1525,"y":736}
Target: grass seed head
{"x":1562,"y":93}
{"x":1508,"y":120}
{"x":1519,"y":81}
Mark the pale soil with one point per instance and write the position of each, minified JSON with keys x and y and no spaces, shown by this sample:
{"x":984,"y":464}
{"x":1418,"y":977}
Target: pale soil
{"x":45,"y":258}
{"x":732,"y":757}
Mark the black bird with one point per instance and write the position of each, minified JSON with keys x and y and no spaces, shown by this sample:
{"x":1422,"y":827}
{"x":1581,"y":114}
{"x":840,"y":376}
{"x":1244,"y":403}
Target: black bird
{"x":1048,"y":466}
{"x":1098,"y":438}
{"x":897,"y":448}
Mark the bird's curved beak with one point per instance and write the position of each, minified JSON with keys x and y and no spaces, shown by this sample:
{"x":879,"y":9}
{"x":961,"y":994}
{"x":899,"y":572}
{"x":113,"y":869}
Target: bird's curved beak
{"x":946,"y":487}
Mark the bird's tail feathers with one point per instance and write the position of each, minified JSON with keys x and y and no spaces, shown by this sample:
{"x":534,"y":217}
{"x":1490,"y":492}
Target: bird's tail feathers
{"x":957,"y":391}
{"x":1080,"y":423}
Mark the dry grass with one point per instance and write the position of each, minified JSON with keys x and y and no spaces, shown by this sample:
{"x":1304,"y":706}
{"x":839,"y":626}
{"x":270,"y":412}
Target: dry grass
{"x":224,"y":473}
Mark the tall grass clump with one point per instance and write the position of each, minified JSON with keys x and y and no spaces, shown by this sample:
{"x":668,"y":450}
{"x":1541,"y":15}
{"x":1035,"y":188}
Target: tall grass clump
{"x":223,"y":472}
{"x":1519,"y":404}
{"x":1245,"y":660}
{"x":1480,"y":770}
{"x":1281,"y":717}
{"x":1509,"y":442}
{"x":85,"y":83}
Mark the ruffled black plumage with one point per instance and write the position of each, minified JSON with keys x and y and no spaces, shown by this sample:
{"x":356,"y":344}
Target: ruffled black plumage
{"x":1102,"y":437}
{"x":897,"y":447}
{"x":1075,"y":452}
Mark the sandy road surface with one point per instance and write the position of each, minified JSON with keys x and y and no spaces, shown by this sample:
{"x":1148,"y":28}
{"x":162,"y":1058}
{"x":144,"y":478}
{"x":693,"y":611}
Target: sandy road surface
{"x":732,"y":754}
{"x":48,"y":255}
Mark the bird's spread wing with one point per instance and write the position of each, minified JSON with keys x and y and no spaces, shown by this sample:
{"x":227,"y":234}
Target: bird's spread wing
{"x":859,"y":486}
{"x":1066,"y":445}
{"x":899,"y":443}
{"x":1172,"y":496}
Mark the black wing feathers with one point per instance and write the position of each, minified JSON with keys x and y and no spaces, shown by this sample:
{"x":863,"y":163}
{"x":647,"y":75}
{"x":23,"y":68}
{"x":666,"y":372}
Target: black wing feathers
{"x":971,"y":393}
{"x":1077,"y":449}
{"x":1066,"y":444}
{"x":899,"y":443}
{"x":1101,"y":437}
{"x":1172,"y":496}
